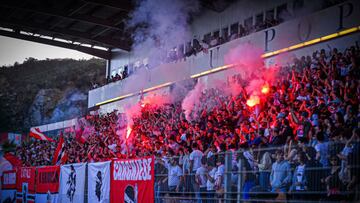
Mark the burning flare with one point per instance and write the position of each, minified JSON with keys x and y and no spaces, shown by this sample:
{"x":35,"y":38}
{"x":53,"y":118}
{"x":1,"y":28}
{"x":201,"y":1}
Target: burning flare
{"x":265,"y":89}
{"x":128,"y":131}
{"x":253,"y":100}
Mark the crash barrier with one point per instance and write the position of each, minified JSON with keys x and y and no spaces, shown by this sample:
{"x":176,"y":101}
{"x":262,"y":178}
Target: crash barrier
{"x":290,"y":174}
{"x":251,"y":175}
{"x":118,"y":180}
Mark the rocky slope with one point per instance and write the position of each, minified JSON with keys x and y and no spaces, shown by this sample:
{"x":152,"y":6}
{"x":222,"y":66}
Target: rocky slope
{"x":40,"y":92}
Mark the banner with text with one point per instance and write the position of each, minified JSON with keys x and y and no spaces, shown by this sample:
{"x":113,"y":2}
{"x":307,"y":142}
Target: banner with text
{"x":47,"y":184}
{"x":99,"y":182}
{"x":132,"y":180}
{"x":8,"y":186}
{"x":26,"y":184}
{"x":72,"y":183}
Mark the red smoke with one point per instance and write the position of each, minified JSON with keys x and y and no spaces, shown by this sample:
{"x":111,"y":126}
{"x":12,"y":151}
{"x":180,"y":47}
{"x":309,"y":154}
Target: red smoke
{"x":150,"y":100}
{"x":247,"y":60}
{"x":251,"y":67}
{"x":155,"y":99}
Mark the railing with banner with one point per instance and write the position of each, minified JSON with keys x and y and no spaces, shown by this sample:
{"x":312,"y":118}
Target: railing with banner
{"x":8,"y":186}
{"x":130,"y":180}
{"x":286,"y":174}
{"x":26,"y":184}
{"x":47,"y":183}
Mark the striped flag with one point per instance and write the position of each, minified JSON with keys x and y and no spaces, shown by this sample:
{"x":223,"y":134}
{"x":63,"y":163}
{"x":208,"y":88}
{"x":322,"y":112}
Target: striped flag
{"x":13,"y":160}
{"x":60,"y":155}
{"x":37,"y":134}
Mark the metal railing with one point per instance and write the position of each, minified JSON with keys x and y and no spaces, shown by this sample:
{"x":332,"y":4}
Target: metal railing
{"x":242,"y":180}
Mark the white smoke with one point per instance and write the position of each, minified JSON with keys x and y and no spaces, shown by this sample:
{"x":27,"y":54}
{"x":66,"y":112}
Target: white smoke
{"x":192,"y":100}
{"x":160,"y":26}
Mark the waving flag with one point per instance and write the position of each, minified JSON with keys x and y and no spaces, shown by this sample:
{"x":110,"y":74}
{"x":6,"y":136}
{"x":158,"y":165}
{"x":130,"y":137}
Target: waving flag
{"x":37,"y":134}
{"x":13,"y":160}
{"x":79,"y":136}
{"x":60,"y":156}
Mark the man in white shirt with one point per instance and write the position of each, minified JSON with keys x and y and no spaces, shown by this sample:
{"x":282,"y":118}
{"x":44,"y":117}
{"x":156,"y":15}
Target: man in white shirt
{"x":175,"y":177}
{"x":195,"y":163}
{"x":201,"y":180}
{"x":210,"y":176}
{"x":219,"y":175}
{"x":195,"y":158}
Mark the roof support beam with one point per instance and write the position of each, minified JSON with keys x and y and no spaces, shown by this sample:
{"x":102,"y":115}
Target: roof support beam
{"x":95,"y":52}
{"x":108,"y":42}
{"x":70,"y":14}
{"x":120,"y":5}
{"x":61,"y":14}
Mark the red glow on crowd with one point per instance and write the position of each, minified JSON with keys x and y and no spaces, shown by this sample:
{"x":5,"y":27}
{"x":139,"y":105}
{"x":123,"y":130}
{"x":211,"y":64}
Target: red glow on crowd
{"x":253,"y":100}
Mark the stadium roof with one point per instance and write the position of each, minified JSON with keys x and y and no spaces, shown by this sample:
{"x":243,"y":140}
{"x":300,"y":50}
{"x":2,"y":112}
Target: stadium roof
{"x":90,"y":26}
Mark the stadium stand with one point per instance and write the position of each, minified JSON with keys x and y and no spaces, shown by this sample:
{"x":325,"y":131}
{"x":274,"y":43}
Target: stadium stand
{"x":303,"y":145}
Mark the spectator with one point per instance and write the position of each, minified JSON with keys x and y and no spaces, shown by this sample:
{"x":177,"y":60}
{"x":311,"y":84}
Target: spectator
{"x":299,"y":180}
{"x":354,"y":163}
{"x":248,"y":177}
{"x":280,"y":176}
{"x":210,"y":176}
{"x":195,"y":163}
{"x":160,"y":179}
{"x":264,"y":164}
{"x":315,"y":173}
{"x":201,"y":180}
{"x":321,"y":149}
{"x":175,"y":178}
{"x":333,"y":183}
{"x":219,"y":176}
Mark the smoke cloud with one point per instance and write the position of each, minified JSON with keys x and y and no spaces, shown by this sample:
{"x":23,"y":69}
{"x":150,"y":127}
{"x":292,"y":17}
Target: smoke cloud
{"x":160,"y":25}
{"x":247,"y":60}
{"x":156,"y":99}
{"x":192,"y":100}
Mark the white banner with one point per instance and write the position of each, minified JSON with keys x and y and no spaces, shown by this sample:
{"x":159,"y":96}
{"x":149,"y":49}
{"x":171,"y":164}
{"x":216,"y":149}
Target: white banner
{"x":47,"y":198}
{"x":99,"y":182}
{"x":72,"y":183}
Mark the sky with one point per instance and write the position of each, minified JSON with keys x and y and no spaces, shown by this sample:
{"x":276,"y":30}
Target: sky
{"x":15,"y":50}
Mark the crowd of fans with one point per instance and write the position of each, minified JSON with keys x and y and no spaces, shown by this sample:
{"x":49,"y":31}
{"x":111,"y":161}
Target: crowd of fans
{"x":36,"y":153}
{"x":302,"y":141}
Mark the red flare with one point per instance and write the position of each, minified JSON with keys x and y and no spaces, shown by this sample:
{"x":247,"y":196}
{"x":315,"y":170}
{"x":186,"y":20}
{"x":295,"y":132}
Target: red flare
{"x":128,"y":131}
{"x":265,"y":89}
{"x":253,"y":100}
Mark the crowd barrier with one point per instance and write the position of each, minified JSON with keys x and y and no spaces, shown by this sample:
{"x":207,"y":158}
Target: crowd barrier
{"x":244,"y":178}
{"x":130,"y":180}
{"x":236,"y":176}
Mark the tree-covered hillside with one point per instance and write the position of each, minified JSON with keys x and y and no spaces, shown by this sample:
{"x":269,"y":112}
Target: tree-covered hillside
{"x":37,"y":92}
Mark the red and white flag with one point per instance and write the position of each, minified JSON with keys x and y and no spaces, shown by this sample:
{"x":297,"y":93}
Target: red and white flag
{"x":79,"y":136}
{"x":37,"y":134}
{"x":60,"y":155}
{"x":13,"y":160}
